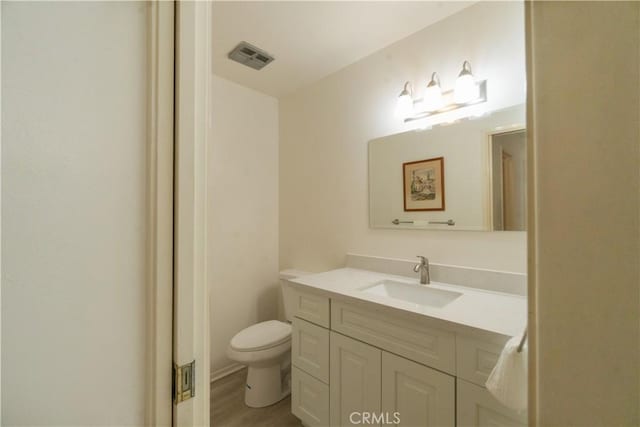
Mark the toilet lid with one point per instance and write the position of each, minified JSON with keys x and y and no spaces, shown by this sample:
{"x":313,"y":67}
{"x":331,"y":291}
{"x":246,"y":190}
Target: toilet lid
{"x":261,"y":335}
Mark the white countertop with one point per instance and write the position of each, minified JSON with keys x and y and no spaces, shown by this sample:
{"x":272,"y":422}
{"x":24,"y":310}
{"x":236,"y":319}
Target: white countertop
{"x":495,"y":312}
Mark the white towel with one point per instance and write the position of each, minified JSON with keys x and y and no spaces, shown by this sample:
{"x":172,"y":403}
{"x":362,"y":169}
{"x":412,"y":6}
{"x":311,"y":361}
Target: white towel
{"x":508,"y":380}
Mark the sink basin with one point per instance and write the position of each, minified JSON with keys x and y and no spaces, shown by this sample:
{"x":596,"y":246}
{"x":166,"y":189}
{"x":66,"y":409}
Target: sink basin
{"x":413,"y":293}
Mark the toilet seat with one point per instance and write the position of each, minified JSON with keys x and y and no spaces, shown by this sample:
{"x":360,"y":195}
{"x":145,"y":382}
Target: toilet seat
{"x":261,"y":336}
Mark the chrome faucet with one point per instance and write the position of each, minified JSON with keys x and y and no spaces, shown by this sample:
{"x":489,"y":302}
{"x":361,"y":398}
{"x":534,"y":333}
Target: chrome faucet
{"x":423,"y":268}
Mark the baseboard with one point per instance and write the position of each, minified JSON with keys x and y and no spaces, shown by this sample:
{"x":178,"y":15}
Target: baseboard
{"x":223,"y":372}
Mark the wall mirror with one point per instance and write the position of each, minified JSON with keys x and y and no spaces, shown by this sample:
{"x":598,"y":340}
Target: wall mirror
{"x":468,"y":175}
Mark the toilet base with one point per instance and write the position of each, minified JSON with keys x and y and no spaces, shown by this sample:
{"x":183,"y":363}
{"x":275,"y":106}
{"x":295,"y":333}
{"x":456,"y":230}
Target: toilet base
{"x":265,"y":386}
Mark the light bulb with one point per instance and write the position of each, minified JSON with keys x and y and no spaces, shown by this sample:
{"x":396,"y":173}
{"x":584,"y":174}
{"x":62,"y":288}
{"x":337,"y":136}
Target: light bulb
{"x":433,"y":94}
{"x":466,"y":89}
{"x":404,"y":107}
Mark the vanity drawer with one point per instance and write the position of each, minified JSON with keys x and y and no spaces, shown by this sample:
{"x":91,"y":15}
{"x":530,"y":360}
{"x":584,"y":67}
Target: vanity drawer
{"x":413,"y":340}
{"x":309,"y":399}
{"x":476,"y":358}
{"x":310,"y":349}
{"x":309,"y":306}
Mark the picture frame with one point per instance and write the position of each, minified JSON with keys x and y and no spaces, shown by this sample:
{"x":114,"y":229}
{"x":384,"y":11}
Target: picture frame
{"x":423,"y":185}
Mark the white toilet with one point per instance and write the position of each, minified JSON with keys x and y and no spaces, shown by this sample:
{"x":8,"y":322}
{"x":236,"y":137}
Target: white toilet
{"x":266,"y":349}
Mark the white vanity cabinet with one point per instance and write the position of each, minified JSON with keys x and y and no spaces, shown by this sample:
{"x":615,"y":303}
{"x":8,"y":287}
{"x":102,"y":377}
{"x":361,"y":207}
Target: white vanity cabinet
{"x":356,"y":363}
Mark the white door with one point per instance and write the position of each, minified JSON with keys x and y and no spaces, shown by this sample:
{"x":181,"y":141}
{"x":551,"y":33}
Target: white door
{"x":354,"y":380}
{"x":76,"y":215}
{"x":415,"y":394}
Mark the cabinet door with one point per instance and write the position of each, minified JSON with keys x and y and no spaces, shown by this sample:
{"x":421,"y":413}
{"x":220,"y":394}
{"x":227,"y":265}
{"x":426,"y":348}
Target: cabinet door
{"x":354,"y":380}
{"x":477,"y":407}
{"x":415,"y":394}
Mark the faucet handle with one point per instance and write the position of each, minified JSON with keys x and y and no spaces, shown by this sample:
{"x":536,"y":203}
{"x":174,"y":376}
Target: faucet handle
{"x":423,"y":260}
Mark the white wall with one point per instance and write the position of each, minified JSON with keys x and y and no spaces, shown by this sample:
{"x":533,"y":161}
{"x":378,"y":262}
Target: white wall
{"x":584,"y":282}
{"x":325,"y":129}
{"x":74,"y":82}
{"x":243,"y":212}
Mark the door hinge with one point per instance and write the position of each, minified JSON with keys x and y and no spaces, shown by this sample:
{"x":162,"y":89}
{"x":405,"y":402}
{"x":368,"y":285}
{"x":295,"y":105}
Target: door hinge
{"x":184,"y":378}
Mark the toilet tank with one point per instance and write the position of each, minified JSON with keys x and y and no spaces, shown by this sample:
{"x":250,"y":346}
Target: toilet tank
{"x":286,"y":304}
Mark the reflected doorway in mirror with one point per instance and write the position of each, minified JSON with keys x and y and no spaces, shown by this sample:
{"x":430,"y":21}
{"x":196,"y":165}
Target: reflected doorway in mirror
{"x":509,"y":180}
{"x":423,"y":185}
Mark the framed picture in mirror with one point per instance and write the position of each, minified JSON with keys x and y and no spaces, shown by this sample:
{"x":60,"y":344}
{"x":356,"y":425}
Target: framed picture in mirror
{"x":423,"y":182}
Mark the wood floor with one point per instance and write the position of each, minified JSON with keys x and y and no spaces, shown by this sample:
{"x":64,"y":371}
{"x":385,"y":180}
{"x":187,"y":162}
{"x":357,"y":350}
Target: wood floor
{"x":228,"y":408}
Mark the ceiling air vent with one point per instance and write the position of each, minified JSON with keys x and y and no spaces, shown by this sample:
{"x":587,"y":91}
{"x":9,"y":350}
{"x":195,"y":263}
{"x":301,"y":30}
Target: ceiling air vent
{"x":250,"y":56}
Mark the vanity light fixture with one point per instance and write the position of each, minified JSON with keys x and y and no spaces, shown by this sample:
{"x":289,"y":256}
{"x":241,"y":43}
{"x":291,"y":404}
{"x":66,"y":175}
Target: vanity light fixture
{"x":404,"y":108}
{"x":467,"y":92}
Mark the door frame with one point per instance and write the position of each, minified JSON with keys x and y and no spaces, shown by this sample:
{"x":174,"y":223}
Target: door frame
{"x":177,"y":297}
{"x":160,"y":176}
{"x":191,"y":293}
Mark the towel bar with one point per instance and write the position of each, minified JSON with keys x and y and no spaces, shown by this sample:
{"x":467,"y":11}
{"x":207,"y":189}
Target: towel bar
{"x":522,"y":341}
{"x":447,"y":222}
